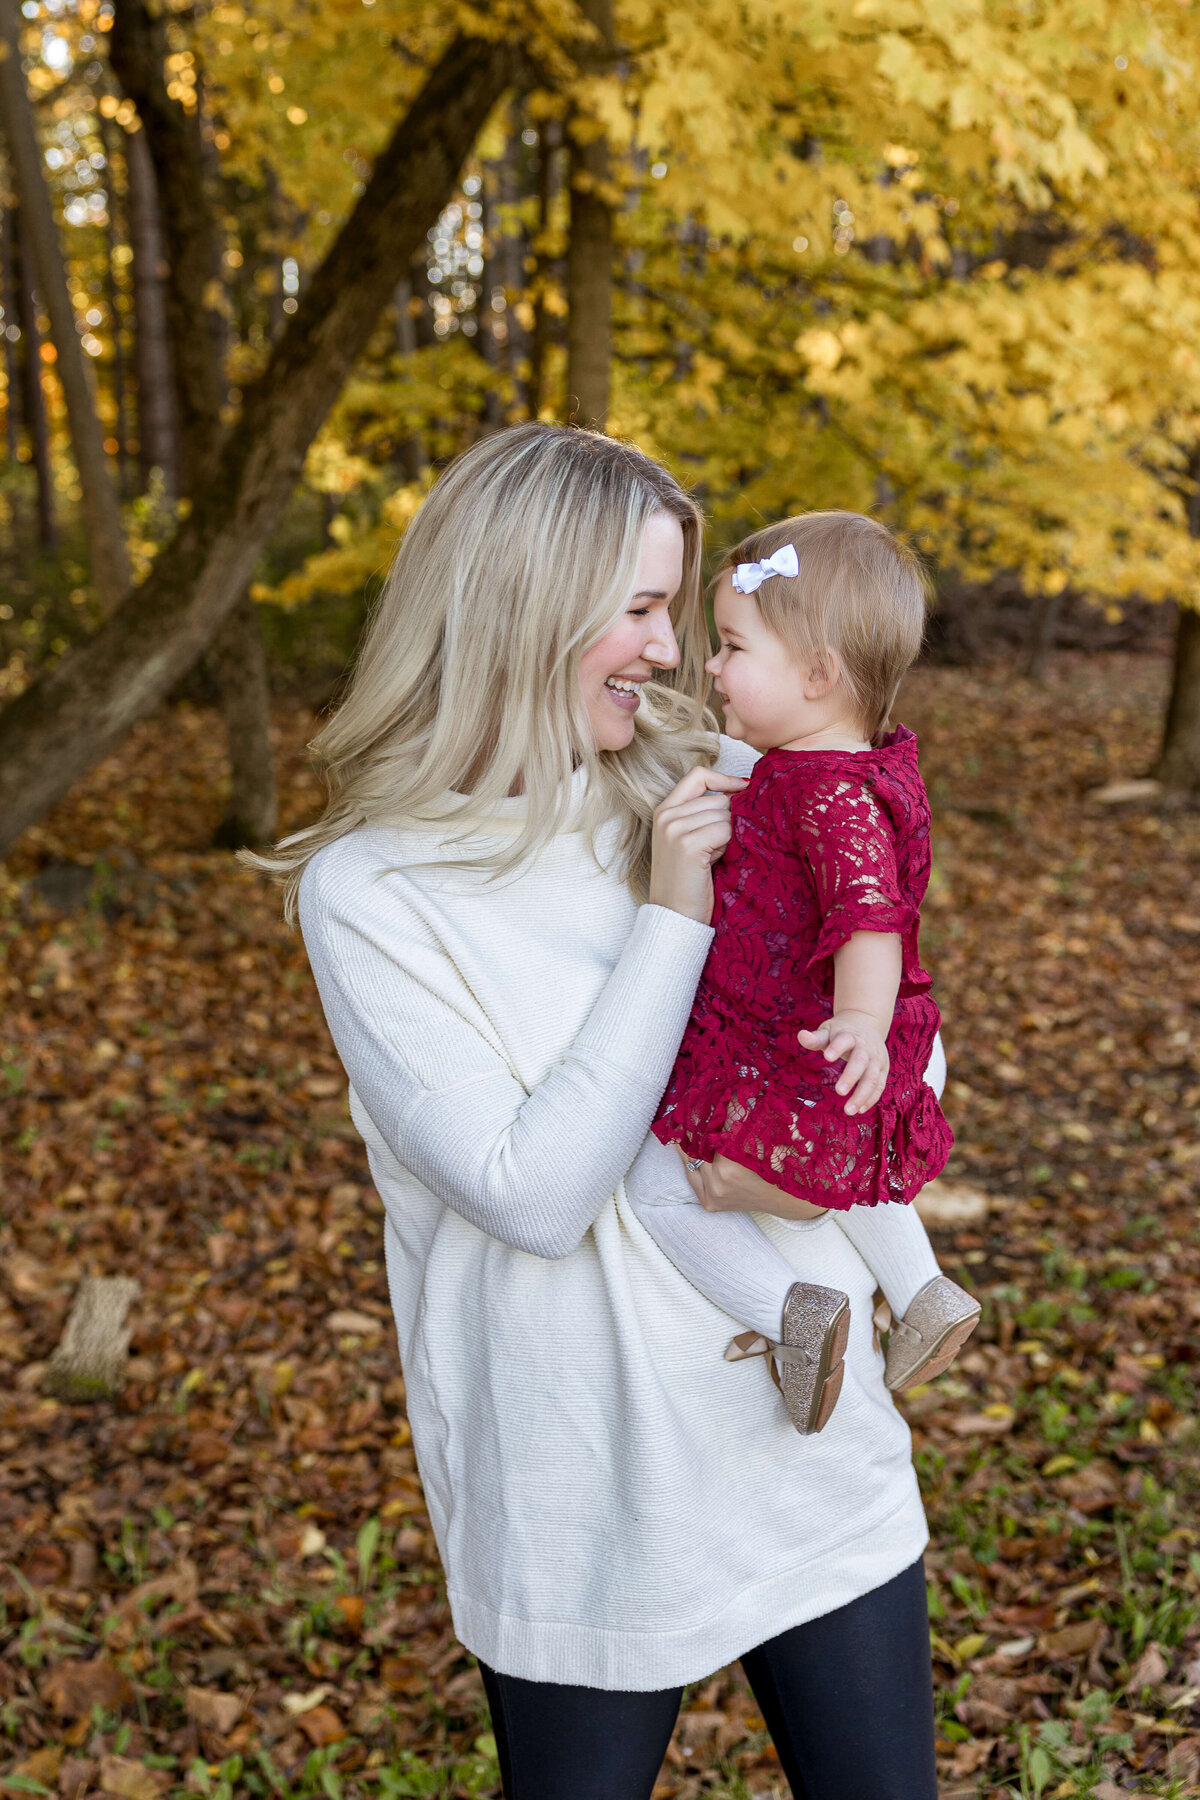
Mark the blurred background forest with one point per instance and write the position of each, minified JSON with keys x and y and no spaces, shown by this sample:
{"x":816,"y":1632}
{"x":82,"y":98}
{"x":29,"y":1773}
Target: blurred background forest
{"x":263,"y":271}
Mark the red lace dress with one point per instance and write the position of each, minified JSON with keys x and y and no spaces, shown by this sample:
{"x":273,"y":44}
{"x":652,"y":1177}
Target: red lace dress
{"x":825,"y":843}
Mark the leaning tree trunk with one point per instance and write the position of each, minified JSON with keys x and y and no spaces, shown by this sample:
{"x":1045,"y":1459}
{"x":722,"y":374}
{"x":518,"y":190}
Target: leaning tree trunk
{"x":590,"y":247}
{"x":239,"y":661}
{"x":76,"y":712}
{"x":101,"y":502}
{"x":1179,"y":760}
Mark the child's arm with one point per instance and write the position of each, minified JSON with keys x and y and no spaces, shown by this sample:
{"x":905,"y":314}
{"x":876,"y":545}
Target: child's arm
{"x":866,"y":980}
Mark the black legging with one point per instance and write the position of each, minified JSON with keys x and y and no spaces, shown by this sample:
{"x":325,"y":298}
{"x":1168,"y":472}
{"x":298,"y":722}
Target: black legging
{"x":848,"y":1699}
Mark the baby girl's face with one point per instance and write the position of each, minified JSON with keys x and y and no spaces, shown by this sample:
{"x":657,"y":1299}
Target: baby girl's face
{"x":756,"y":676}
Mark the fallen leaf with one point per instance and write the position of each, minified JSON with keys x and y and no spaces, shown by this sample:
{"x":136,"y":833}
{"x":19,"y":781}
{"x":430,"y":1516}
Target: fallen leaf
{"x":73,"y":1688}
{"x":213,"y":1710}
{"x":322,"y":1726}
{"x":1073,"y":1640}
{"x":298,"y":1704}
{"x":131,"y":1780}
{"x":353,"y":1323}
{"x":42,"y":1767}
{"x":951,"y":1205}
{"x":1150,"y":1669}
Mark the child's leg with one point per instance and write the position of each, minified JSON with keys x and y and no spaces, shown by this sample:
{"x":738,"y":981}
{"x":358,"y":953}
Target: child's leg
{"x":895,"y":1247}
{"x":736,"y":1266}
{"x":725,"y":1255}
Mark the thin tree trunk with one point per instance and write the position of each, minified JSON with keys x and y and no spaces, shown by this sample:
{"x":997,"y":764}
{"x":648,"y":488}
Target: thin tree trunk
{"x":179,"y":194}
{"x":8,"y":300}
{"x":101,"y":503}
{"x":108,"y":136}
{"x":1043,"y":623}
{"x":409,"y":452}
{"x":77,"y":711}
{"x":549,"y":136}
{"x":590,"y":250}
{"x":158,"y":431}
{"x":1179,"y":760}
{"x":32,"y":396}
{"x":239,"y":662}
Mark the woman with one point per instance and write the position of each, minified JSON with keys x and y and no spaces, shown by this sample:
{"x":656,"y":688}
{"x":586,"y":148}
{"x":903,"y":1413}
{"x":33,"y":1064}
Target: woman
{"x":506,"y":906}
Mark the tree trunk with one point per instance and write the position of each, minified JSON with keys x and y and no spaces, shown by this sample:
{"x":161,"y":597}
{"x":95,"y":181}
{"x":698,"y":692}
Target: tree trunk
{"x":1043,"y":623}
{"x":175,"y":189}
{"x":590,"y":249}
{"x":101,"y":503}
{"x":1179,"y":761}
{"x":10,"y":307}
{"x":549,"y":143}
{"x":240,"y":664}
{"x":76,"y":712}
{"x":112,"y":291}
{"x":32,"y":397}
{"x":158,"y":433}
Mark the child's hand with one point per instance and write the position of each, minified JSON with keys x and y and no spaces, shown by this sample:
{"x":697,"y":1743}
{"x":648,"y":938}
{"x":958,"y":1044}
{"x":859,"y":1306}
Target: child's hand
{"x":856,"y":1037}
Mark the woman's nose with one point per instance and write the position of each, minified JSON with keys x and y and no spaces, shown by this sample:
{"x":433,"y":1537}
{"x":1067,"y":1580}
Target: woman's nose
{"x":662,"y":650}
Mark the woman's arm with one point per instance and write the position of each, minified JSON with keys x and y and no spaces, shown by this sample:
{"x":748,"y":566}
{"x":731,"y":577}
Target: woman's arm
{"x":530,"y":1167}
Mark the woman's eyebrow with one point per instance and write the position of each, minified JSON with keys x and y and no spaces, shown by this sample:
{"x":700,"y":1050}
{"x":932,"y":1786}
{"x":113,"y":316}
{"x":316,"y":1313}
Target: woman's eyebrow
{"x":652,"y":594}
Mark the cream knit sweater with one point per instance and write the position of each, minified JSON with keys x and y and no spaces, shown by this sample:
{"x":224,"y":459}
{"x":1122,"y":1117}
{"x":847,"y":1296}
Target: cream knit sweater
{"x":615,"y":1505}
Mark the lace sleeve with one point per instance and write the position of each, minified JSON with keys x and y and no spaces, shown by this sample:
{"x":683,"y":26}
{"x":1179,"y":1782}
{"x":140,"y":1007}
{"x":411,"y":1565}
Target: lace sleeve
{"x":848,"y":842}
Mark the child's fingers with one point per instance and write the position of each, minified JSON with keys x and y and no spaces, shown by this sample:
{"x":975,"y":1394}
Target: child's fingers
{"x":814,"y":1040}
{"x":865,"y":1095}
{"x":858,"y":1059}
{"x":841,"y":1044}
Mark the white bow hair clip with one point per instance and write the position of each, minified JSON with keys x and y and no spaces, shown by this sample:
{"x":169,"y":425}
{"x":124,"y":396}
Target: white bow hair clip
{"x":748,"y":577}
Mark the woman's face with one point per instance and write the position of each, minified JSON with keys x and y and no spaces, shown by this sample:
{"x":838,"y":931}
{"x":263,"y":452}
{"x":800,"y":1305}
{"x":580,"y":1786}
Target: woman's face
{"x":643,"y":639}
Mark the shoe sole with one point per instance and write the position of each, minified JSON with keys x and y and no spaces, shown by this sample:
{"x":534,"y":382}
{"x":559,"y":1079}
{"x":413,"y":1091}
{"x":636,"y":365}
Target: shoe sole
{"x":942,"y":1353}
{"x":830,"y":1372}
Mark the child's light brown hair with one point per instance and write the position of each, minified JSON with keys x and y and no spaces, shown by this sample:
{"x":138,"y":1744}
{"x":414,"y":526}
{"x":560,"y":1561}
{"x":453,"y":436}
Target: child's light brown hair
{"x":861,"y":592}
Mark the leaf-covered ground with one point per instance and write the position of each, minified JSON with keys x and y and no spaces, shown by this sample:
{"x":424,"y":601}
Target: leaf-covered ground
{"x":224,"y":1581}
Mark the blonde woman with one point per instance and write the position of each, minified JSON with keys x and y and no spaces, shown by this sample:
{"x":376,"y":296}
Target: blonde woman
{"x":506,"y":905}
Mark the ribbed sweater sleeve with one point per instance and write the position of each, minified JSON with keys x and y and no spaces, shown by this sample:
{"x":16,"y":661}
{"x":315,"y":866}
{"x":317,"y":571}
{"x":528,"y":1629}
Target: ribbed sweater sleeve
{"x":531,"y":1167}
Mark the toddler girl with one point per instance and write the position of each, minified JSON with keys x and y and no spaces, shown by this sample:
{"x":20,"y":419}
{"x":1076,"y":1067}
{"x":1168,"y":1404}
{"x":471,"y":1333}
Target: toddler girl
{"x":813,"y":1025}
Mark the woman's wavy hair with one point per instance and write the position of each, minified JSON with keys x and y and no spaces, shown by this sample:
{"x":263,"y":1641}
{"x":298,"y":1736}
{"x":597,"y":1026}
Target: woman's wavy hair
{"x":524,"y":553}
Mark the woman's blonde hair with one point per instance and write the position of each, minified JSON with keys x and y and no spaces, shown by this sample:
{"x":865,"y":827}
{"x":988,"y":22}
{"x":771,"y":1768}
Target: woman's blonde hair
{"x":525,"y":552}
{"x":861,"y":591}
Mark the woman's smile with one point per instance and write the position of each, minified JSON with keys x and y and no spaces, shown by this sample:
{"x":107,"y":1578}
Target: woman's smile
{"x":625,"y":691}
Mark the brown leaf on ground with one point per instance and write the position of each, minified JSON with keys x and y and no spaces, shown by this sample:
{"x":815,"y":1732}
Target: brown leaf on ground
{"x":129,"y":1780}
{"x":1150,"y":1670}
{"x":1073,"y":1640}
{"x":213,"y":1711}
{"x":322,"y":1726}
{"x":73,"y":1688}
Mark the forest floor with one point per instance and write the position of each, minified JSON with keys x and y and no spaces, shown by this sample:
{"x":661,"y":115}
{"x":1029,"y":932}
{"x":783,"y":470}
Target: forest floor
{"x":224,"y":1583}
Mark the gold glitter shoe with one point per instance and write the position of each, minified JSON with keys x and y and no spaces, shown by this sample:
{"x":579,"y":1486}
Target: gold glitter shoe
{"x":927,"y":1339}
{"x":806,"y":1365}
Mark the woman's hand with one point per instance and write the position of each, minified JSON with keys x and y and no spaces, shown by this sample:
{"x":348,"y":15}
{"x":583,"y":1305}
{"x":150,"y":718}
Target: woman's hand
{"x":691,"y":829}
{"x":724,"y":1186}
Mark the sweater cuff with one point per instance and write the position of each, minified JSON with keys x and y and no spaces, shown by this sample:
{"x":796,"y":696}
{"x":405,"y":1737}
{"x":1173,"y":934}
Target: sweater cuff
{"x":638,"y":1021}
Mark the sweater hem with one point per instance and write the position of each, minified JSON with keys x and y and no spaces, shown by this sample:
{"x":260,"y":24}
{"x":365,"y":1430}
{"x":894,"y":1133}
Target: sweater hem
{"x":578,"y":1655}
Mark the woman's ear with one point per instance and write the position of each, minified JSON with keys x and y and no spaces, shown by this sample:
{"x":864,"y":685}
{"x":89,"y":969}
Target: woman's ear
{"x":824,"y":673}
